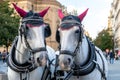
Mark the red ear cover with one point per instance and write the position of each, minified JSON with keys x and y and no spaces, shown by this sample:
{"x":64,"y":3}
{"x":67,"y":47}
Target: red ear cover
{"x":81,"y":16}
{"x":21,"y":12}
{"x":60,"y":14}
{"x":42,"y":13}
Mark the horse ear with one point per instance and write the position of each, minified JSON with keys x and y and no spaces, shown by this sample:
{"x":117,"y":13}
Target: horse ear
{"x":21,"y":12}
{"x":60,"y":14}
{"x":42,"y":13}
{"x":81,"y":16}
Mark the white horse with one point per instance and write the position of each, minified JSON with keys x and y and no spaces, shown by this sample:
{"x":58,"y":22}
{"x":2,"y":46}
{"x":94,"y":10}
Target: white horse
{"x":30,"y":58}
{"x":78,"y":57}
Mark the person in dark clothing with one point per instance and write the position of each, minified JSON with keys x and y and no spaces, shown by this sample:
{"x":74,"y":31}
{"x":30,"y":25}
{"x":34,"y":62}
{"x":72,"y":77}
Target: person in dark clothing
{"x":4,"y":54}
{"x":111,"y":55}
{"x":0,"y":55}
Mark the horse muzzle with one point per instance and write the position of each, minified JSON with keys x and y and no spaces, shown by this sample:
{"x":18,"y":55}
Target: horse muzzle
{"x":42,"y":59}
{"x":65,"y":65}
{"x":65,"y":61}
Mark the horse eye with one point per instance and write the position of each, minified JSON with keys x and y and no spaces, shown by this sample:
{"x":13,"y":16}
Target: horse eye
{"x":76,"y":24}
{"x":27,"y":28}
{"x":77,"y":31}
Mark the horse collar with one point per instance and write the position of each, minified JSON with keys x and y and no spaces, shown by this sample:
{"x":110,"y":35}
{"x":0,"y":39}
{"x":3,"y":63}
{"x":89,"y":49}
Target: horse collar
{"x":89,"y":66}
{"x":22,"y":68}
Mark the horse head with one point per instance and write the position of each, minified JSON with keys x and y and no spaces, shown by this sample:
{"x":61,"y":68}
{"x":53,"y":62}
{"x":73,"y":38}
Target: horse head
{"x":69,"y":35}
{"x":33,"y":31}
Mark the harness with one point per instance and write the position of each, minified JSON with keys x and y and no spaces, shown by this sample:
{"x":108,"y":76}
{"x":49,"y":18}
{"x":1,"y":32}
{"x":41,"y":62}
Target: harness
{"x":20,"y":68}
{"x":12,"y":63}
{"x":88,"y":66}
{"x":27,"y":67}
{"x":103,"y":63}
{"x":91,"y":63}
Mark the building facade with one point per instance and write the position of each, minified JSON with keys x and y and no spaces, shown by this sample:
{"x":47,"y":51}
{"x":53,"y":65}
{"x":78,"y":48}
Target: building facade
{"x":115,"y":18}
{"x":51,"y":17}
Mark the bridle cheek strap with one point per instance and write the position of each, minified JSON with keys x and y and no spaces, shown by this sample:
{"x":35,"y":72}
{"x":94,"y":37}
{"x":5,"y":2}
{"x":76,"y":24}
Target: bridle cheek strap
{"x":33,"y":51}
{"x":73,"y":54}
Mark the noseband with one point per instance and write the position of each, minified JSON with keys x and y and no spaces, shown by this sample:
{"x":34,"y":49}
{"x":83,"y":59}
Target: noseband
{"x":67,"y":52}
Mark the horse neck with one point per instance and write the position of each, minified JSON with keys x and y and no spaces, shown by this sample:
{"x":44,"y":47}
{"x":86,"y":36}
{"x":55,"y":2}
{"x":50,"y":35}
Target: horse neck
{"x":21,"y":53}
{"x":82,"y":54}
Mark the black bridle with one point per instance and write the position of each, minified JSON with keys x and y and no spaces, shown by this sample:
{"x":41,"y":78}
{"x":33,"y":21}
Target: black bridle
{"x":24,"y":33}
{"x":71,"y":23}
{"x":88,"y":66}
{"x":29,"y":65}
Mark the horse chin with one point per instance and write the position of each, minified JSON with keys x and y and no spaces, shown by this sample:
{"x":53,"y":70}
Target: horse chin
{"x":42,"y":62}
{"x":65,"y":67}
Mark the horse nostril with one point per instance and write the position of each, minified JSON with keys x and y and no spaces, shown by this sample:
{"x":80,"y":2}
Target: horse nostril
{"x":69,"y":60}
{"x":38,"y":60}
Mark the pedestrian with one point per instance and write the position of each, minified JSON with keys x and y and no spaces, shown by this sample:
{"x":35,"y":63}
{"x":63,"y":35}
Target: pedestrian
{"x":4,"y":54}
{"x":107,"y":54}
{"x":0,"y":55}
{"x":112,"y":56}
{"x":118,"y":54}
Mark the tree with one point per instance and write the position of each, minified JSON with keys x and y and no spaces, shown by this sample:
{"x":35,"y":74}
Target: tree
{"x":8,"y":24}
{"x":104,"y":40}
{"x":73,"y":12}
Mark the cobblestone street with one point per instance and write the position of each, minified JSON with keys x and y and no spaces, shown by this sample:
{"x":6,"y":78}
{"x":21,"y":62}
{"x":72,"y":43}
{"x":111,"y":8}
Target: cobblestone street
{"x":114,"y":71}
